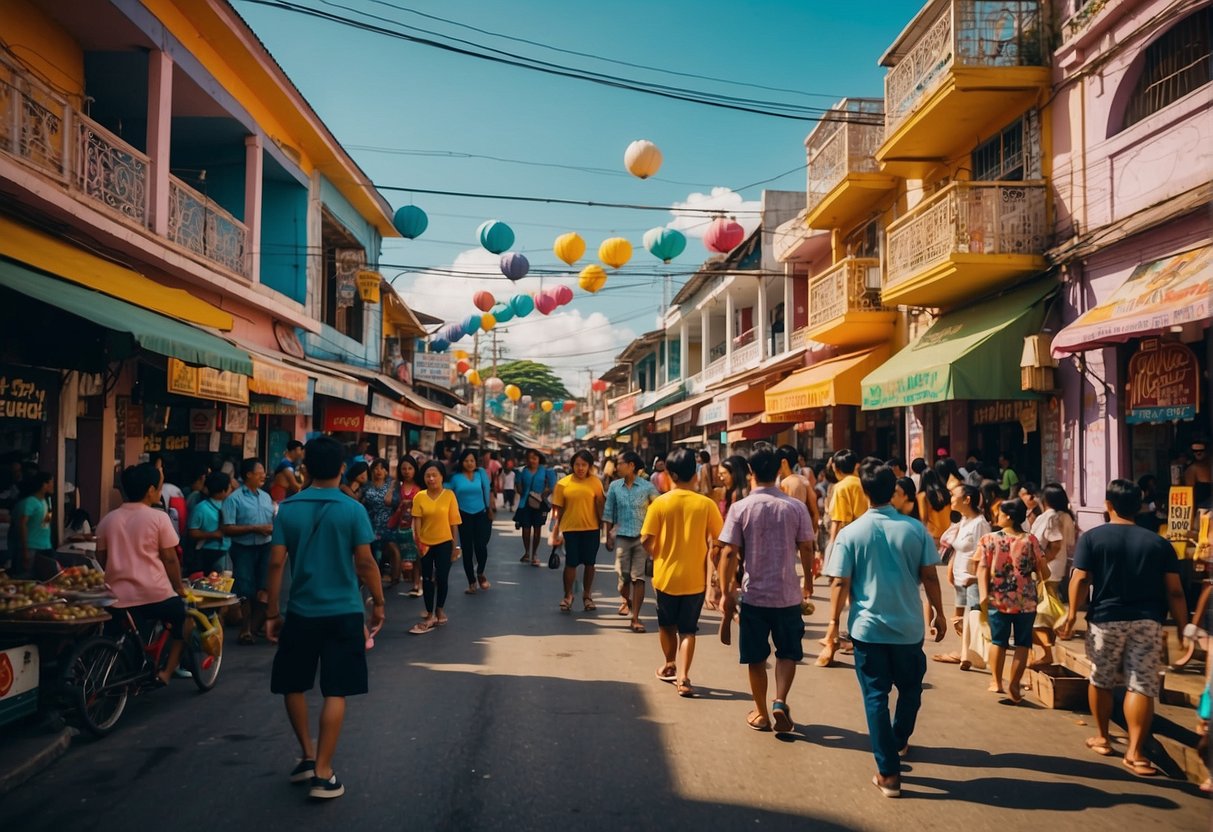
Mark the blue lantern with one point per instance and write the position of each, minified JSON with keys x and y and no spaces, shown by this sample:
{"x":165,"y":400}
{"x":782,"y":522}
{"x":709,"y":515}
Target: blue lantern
{"x":495,"y":236}
{"x":410,"y":221}
{"x":439,"y":345}
{"x":471,"y":323}
{"x":502,"y":312}
{"x":451,"y":332}
{"x":514,"y":265}
{"x":522,"y":305}
{"x":558,"y":406}
{"x":664,"y":243}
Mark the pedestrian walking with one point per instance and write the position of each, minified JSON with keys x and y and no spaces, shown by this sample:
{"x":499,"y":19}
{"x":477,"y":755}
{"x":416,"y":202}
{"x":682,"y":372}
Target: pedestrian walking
{"x":847,"y":503}
{"x":401,"y":522}
{"x":959,"y":547}
{"x":734,"y":479}
{"x":1010,"y":561}
{"x":577,"y":503}
{"x":374,"y":496}
{"x":435,"y":515}
{"x":627,"y":503}
{"x":326,"y":541}
{"x":248,"y":519}
{"x":905,"y":498}
{"x":878,"y":563}
{"x":792,"y":483}
{"x":473,"y":492}
{"x":1133,"y":576}
{"x":534,"y":484}
{"x":1057,"y":531}
{"x":507,"y":486}
{"x":934,"y":503}
{"x":356,"y":476}
{"x":678,"y":531}
{"x":770,"y":527}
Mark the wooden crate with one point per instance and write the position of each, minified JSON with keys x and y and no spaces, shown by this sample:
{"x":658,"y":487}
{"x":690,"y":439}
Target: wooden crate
{"x":1058,"y":687}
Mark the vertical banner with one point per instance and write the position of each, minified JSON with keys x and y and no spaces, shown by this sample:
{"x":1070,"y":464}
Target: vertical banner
{"x":1181,"y":507}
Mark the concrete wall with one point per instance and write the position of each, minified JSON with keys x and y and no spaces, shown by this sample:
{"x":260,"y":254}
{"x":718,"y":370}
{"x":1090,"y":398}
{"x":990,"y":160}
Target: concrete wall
{"x":284,"y":238}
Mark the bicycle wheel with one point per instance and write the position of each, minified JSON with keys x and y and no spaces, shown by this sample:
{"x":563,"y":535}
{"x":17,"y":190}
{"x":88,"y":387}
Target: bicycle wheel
{"x":95,"y":679}
{"x":198,"y":661}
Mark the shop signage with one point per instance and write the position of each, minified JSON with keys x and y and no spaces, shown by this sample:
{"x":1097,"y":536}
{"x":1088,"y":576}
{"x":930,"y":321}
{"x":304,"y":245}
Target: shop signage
{"x":340,"y":417}
{"x":159,"y":442}
{"x":380,"y":426}
{"x":433,"y":367}
{"x":712,"y":413}
{"x":1051,"y":466}
{"x":626,"y":407}
{"x":1181,"y":509}
{"x":235,"y":419}
{"x":288,"y":340}
{"x":273,"y":380}
{"x":403,"y":371}
{"x":916,"y":388}
{"x":661,"y":426}
{"x":23,"y":394}
{"x":996,"y":413}
{"x":915,"y":438}
{"x":206,"y":383}
{"x":683,"y":417}
{"x":350,"y":391}
{"x":250,"y":444}
{"x":427,"y":440}
{"x":433,"y":419}
{"x":1164,"y":383}
{"x":203,"y":421}
{"x":401,"y":412}
{"x":348,"y":263}
{"x":281,"y":407}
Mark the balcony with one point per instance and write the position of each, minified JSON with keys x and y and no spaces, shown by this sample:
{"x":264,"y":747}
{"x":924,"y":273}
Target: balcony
{"x":958,"y":73}
{"x":43,"y":131}
{"x":969,"y":239}
{"x":800,"y":338}
{"x":844,"y":177}
{"x":844,"y":305}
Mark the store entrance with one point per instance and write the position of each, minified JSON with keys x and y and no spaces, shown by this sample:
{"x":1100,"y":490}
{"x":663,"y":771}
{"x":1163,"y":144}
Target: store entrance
{"x":1008,"y":437}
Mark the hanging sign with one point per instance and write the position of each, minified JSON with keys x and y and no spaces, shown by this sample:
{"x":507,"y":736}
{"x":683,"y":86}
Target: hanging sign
{"x":434,"y":419}
{"x":203,"y":421}
{"x":380,"y":426}
{"x":401,"y":412}
{"x":626,"y":407}
{"x":433,"y":367}
{"x":273,"y":380}
{"x":206,"y":383}
{"x":1181,"y":510}
{"x":235,"y":419}
{"x":348,"y":262}
{"x":337,"y":388}
{"x":340,"y":417}
{"x":23,"y":394}
{"x":1164,"y":383}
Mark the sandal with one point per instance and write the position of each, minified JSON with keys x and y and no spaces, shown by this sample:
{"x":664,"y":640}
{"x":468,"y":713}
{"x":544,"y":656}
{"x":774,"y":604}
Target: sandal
{"x":625,"y":609}
{"x":525,"y":558}
{"x":783,"y":717}
{"x":946,"y":658}
{"x":683,"y":686}
{"x":637,"y":627}
{"x":667,"y":673}
{"x":588,"y":604}
{"x":757,"y":721}
{"x":534,"y":561}
{"x":484,"y":582}
{"x":247,"y":638}
{"x":471,"y":590}
{"x":422,"y":628}
{"x":1140,"y":768}
{"x":567,"y":604}
{"x":1100,"y":746}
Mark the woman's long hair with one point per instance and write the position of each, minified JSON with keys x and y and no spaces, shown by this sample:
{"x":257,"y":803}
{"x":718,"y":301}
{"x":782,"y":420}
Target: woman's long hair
{"x":1055,"y":497}
{"x":739,"y":470}
{"x":937,"y":494}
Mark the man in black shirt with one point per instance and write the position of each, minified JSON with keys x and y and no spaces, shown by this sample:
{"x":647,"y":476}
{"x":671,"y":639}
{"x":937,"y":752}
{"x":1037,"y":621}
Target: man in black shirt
{"x":1134,"y":577}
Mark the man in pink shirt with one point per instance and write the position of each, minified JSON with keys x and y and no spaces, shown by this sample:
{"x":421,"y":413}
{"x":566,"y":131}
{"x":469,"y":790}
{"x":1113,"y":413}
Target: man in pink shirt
{"x":137,"y":548}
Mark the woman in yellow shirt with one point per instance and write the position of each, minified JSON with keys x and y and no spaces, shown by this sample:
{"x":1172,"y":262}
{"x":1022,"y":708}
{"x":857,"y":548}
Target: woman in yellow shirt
{"x":934,"y":505}
{"x":435,"y":514}
{"x":577,"y":504}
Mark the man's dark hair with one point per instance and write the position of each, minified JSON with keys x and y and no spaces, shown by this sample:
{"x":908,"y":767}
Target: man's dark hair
{"x":1125,"y":497}
{"x":216,"y":483}
{"x":765,"y":463}
{"x":137,"y":479}
{"x":918,"y":465}
{"x":249,"y":465}
{"x":897,"y":462}
{"x":323,"y":457}
{"x":878,"y":481}
{"x":293,"y":445}
{"x":632,"y":458}
{"x":845,"y":461}
{"x":784,"y":453}
{"x":680,"y":463}
{"x":705,"y":457}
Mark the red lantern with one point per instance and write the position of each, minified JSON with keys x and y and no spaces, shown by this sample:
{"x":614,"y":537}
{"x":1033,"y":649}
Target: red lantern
{"x":723,"y":235}
{"x":569,"y":406}
{"x":462,"y":366}
{"x":483,"y":300}
{"x":532,"y":405}
{"x":563,"y":294}
{"x":545,"y":303}
{"x":599,"y":386}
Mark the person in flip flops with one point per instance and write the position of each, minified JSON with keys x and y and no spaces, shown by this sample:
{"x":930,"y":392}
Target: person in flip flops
{"x":774,"y":530}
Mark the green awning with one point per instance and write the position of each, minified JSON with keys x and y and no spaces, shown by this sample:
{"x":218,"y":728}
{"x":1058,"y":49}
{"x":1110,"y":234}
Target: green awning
{"x":657,"y":404}
{"x":133,"y":324}
{"x":968,"y":354}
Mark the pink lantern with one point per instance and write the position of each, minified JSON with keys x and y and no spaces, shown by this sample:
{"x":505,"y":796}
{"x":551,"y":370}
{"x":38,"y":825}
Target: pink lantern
{"x":723,"y":235}
{"x":563,"y":294}
{"x":569,"y":406}
{"x":545,"y":303}
{"x":483,"y":300}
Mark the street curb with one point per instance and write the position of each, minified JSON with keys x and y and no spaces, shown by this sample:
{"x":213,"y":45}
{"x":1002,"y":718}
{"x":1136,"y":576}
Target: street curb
{"x":45,"y":751}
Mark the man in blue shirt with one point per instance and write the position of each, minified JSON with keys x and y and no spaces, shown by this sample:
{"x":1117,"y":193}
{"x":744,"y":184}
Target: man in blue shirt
{"x":248,"y":519}
{"x":210,"y":544}
{"x":328,"y":538}
{"x":877,"y":563}
{"x":627,"y":501}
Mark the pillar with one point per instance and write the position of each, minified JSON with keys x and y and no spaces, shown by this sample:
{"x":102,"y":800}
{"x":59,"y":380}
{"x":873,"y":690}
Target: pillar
{"x":705,"y":340}
{"x":788,"y":275}
{"x":683,"y":351}
{"x":761,"y":323}
{"x":254,"y":161}
{"x":729,"y":326}
{"x":159,"y":133}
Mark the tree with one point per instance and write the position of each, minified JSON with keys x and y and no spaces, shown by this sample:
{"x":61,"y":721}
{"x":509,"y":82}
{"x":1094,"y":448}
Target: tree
{"x":534,"y":379}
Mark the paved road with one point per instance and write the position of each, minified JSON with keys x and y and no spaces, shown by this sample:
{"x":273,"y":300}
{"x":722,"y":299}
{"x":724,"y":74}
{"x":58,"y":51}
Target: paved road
{"x":515,"y":717}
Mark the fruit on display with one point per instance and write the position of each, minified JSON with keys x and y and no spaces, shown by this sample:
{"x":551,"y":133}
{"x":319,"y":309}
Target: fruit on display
{"x":79,"y":578}
{"x":15,"y":595}
{"x":62,"y":612}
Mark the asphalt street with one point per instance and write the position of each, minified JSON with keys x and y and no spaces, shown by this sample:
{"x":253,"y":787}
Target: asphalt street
{"x":517,"y":717}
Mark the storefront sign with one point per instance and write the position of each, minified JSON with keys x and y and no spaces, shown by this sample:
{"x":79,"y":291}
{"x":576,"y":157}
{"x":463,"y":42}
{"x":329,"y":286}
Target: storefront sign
{"x":1181,"y":510}
{"x":203,"y":421}
{"x":996,"y":413}
{"x":915,"y":438}
{"x":280,"y":407}
{"x":1052,"y":468}
{"x":250,"y":444}
{"x":1164,"y":383}
{"x":683,"y":417}
{"x":274,"y":380}
{"x":157,"y":443}
{"x":340,"y":417}
{"x":661,"y":426}
{"x":235,"y":419}
{"x":350,"y":391}
{"x":433,"y":419}
{"x":401,"y":412}
{"x":712,"y":413}
{"x":380,"y":426}
{"x":427,"y":440}
{"x":626,"y":407}
{"x":433,"y":367}
{"x":1028,"y":420}
{"x":23,"y":394}
{"x":206,"y":383}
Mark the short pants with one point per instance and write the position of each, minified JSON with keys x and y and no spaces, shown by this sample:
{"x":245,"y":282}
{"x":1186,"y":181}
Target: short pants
{"x":1133,"y":648}
{"x":1005,"y":624}
{"x":630,"y":558}
{"x":968,"y":597}
{"x":580,"y":548}
{"x":335,"y":642}
{"x":762,"y":625}
{"x":250,"y":568}
{"x":170,"y":612}
{"x":681,"y":611}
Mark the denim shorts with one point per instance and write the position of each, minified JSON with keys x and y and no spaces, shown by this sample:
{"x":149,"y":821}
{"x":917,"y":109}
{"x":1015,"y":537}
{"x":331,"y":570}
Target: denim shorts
{"x":968,"y":597}
{"x":1004,"y":625}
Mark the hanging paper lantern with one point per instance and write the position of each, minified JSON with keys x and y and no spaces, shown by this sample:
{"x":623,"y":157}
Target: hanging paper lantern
{"x":558,"y":405}
{"x":527,"y":399}
{"x":569,"y":407}
{"x":615,"y":252}
{"x":723,"y":235}
{"x":522,"y":305}
{"x":483,"y":300}
{"x":462,"y":366}
{"x":569,"y":248}
{"x":514,"y":265}
{"x":494,"y":385}
{"x":487,"y":322}
{"x":531,"y":405}
{"x":599,"y":386}
{"x":439,"y":345}
{"x":563,"y":294}
{"x":495,"y":236}
{"x":461,"y":355}
{"x":664,"y":243}
{"x":545,"y":303}
{"x":502,"y":312}
{"x":642,"y":158}
{"x":410,"y":221}
{"x":451,"y":332}
{"x":592,"y":278}
{"x":512,"y":392}
{"x":473,"y":378}
{"x":546,"y":405}
{"x":471,"y":324}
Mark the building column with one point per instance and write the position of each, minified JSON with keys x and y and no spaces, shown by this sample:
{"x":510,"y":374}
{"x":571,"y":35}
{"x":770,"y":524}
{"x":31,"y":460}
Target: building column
{"x":665,"y":359}
{"x":254,"y":162}
{"x":761,"y":324}
{"x":683,"y":351}
{"x":159,"y":134}
{"x":788,"y":275}
{"x":705,"y":340}
{"x":729,"y":327}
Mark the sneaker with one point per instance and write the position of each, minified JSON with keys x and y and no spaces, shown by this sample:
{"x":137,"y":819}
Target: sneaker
{"x":325,"y":789}
{"x":182,"y":673}
{"x":304,"y":772}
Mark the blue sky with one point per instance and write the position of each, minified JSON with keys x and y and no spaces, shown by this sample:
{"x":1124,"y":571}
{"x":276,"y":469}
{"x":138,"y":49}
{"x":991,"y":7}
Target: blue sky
{"x":380,"y":92}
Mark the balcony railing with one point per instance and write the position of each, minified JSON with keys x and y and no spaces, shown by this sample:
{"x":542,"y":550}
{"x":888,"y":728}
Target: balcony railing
{"x":845,"y":143}
{"x":714,"y":372}
{"x":111,"y":171}
{"x":979,"y":33}
{"x":968,"y":218}
{"x":853,"y":285}
{"x":33,"y":121}
{"x":199,"y":224}
{"x":800,"y":337}
{"x":747,"y":356}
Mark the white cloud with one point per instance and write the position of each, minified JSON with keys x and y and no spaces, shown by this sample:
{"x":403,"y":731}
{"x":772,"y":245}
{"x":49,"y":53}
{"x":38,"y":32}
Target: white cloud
{"x":725,"y":200}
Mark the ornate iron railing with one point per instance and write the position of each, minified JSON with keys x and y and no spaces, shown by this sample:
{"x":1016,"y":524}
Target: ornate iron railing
{"x":848,"y":286}
{"x":968,"y":218}
{"x":111,"y":171}
{"x":200,"y":225}
{"x":33,"y":121}
{"x":844,"y":143}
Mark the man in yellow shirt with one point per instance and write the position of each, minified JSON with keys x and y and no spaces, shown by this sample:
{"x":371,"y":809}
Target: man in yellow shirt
{"x":847,"y":503}
{"x":680,"y":527}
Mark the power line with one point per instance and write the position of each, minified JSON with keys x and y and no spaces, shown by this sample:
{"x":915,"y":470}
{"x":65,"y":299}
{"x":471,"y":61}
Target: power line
{"x":552,"y":200}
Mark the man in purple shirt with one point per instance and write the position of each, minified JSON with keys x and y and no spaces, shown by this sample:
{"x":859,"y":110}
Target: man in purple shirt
{"x":769,"y":531}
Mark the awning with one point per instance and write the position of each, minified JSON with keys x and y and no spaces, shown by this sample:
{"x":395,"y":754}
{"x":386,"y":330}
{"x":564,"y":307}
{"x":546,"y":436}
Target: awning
{"x":827,"y":384}
{"x":272,"y":375}
{"x":667,"y":399}
{"x":970,"y":353}
{"x":628,"y":424}
{"x":1173,"y":291}
{"x":136,"y":326}
{"x":675,"y":409}
{"x":336,"y":384}
{"x":61,"y":258}
{"x":718,"y":410}
{"x":755,"y":428}
{"x":404,"y":413}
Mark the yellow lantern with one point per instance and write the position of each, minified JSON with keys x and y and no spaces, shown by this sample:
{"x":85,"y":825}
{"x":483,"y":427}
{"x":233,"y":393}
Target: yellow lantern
{"x":461,"y":355}
{"x":512,"y":392}
{"x":569,"y":247}
{"x":615,"y":252}
{"x":546,"y":406}
{"x":473,"y":377}
{"x":487,"y":321}
{"x":368,"y":285}
{"x":642,"y":158}
{"x":592,"y":278}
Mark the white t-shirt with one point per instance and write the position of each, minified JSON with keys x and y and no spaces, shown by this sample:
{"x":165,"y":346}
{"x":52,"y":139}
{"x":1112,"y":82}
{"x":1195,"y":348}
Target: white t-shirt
{"x":1053,"y":526}
{"x":507,"y":480}
{"x":965,"y":535}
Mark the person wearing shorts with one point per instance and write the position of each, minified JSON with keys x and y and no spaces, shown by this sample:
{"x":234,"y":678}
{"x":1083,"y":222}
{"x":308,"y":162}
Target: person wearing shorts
{"x":680,"y":528}
{"x":577,"y":503}
{"x":328,"y":538}
{"x":1133,"y":575}
{"x":247,"y":518}
{"x":627,"y":503}
{"x":774,"y":530}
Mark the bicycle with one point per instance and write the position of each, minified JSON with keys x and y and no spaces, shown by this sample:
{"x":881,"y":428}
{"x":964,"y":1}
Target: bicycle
{"x":103,"y":671}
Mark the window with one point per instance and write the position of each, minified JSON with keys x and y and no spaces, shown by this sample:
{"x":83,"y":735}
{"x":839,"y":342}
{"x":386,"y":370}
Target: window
{"x":343,"y":258}
{"x":1174,"y":65}
{"x":864,"y":241}
{"x":1001,"y":158}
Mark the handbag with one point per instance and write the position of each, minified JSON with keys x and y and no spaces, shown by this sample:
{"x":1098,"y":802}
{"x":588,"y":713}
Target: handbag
{"x":1049,"y":609}
{"x":947,"y":547}
{"x":554,"y":559}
